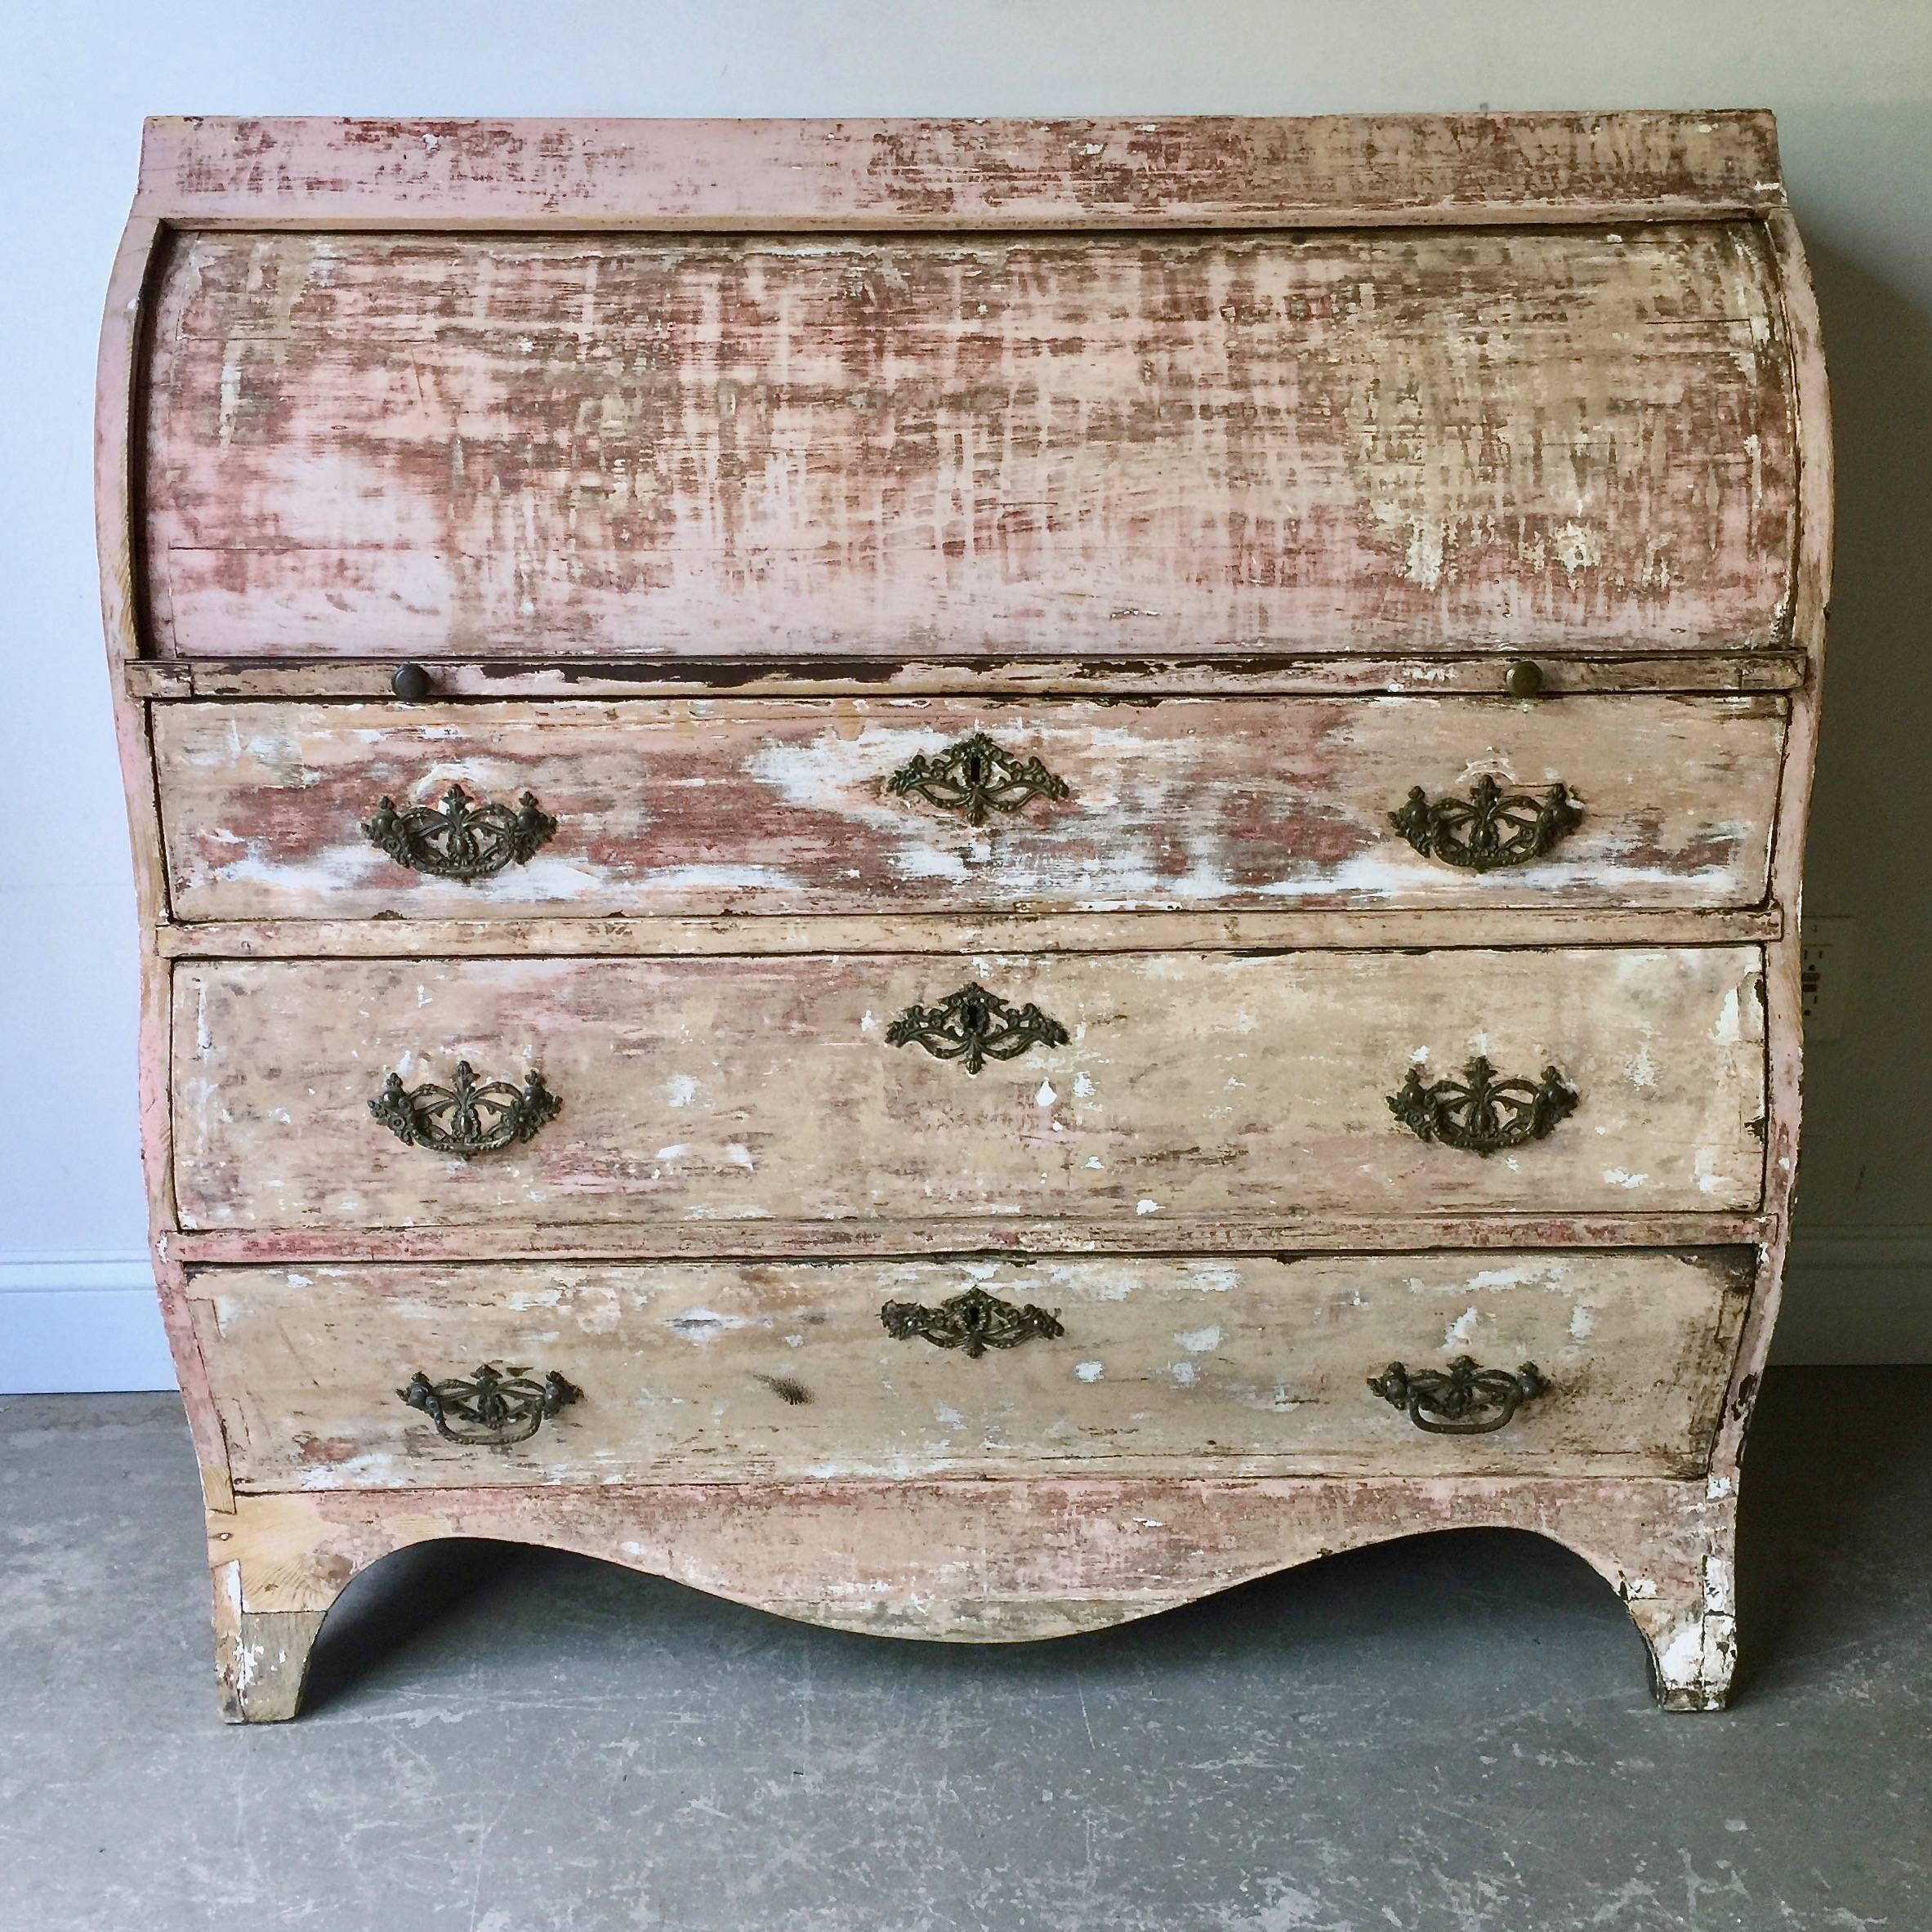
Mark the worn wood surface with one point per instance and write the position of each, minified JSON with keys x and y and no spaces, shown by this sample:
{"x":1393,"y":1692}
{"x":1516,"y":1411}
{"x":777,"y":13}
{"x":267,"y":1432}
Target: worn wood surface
{"x":1192,"y":1084}
{"x":664,"y":936}
{"x":1784,"y":959}
{"x":1192,"y":171}
{"x":767,"y":805}
{"x":1322,"y":1232}
{"x":408,"y":444}
{"x":116,"y":492}
{"x":727,"y":1372}
{"x":1106,"y":680}
{"x":261,"y":1657}
{"x":1012,"y":1562}
{"x":1026,"y":1556}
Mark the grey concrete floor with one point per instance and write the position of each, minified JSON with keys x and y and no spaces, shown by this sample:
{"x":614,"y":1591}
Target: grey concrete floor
{"x":1445,"y":1735}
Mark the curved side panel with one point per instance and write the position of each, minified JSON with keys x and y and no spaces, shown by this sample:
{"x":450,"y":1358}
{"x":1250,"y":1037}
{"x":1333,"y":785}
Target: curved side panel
{"x":998,"y":1562}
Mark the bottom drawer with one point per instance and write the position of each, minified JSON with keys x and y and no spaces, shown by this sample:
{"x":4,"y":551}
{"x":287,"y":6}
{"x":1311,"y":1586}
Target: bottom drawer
{"x":717,"y":1372}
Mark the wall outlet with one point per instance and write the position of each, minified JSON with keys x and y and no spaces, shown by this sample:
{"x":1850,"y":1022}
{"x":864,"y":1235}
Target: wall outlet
{"x":1826,"y":954}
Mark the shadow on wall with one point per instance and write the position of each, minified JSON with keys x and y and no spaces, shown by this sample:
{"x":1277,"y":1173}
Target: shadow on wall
{"x":1874,"y":783}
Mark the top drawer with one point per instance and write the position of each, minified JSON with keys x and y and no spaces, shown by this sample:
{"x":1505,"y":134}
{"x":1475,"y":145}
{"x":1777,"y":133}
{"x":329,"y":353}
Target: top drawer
{"x":952,"y":447}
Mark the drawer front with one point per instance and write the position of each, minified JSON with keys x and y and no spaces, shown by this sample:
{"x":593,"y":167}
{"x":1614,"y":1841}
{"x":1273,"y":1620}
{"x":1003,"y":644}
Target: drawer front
{"x":728,"y":1371}
{"x":325,"y":1093}
{"x":942,"y":447}
{"x":278,"y":810}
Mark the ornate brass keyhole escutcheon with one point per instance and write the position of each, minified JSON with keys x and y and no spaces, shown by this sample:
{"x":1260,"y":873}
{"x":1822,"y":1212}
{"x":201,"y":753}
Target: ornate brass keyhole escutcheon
{"x":975,"y":778}
{"x":973,"y":1026}
{"x":973,"y":1321}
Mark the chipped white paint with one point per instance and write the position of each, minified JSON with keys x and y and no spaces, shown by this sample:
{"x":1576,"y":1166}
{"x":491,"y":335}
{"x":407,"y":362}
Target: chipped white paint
{"x":1192,"y":802}
{"x":1161,"y":1034}
{"x":1308,"y":484}
{"x":306,"y":1381}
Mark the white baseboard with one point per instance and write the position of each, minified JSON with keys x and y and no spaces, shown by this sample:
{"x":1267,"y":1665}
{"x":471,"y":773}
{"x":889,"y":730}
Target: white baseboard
{"x":76,"y":1322}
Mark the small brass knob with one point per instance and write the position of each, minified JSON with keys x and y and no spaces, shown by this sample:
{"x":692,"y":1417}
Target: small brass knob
{"x":1526,"y":679}
{"x":411,"y":683}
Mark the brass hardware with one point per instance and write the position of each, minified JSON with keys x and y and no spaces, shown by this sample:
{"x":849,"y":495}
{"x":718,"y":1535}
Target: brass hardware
{"x":974,"y":1322}
{"x":1465,"y":1400}
{"x":497,"y":1407}
{"x":1525,"y":679}
{"x":469,"y":1115}
{"x":974,"y":778}
{"x":459,"y":839}
{"x":1480,"y":1113}
{"x":973,"y":1026}
{"x":1495,"y":828}
{"x":411,"y":683}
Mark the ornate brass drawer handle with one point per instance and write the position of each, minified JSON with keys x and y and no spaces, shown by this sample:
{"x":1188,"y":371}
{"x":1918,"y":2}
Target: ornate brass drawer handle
{"x":1494,"y":829}
{"x":973,"y":1026}
{"x":1480,"y":1113}
{"x":491,"y":1409}
{"x":974,"y":1322}
{"x":467,"y":1117}
{"x":974,"y":778}
{"x":460,"y":839}
{"x":1463,"y":1400}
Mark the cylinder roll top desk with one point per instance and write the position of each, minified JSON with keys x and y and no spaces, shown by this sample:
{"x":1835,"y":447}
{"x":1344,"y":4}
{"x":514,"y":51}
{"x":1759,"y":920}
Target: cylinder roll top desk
{"x":966,"y":876}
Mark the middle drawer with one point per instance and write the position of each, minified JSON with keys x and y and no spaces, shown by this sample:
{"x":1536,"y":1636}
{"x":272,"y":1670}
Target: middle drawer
{"x":332,"y":811}
{"x":374,"y":1093}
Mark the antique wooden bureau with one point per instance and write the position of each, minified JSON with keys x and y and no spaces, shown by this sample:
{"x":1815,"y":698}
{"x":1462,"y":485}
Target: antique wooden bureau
{"x":966,"y":876}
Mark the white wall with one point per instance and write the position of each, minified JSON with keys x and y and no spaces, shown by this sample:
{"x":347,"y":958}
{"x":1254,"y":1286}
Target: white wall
{"x":1852,"y":85}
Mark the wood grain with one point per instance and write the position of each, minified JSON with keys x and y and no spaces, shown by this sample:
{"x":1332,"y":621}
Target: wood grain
{"x":748,"y":1371}
{"x":1784,"y":1002}
{"x":1318,"y":1231}
{"x":1014,"y":1562}
{"x":1114,"y":446}
{"x":1205,"y":1085}
{"x":769,"y":806}
{"x":662,"y":937}
{"x":1191,"y":171}
{"x":1107,"y":680}
{"x":1517,"y":411}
